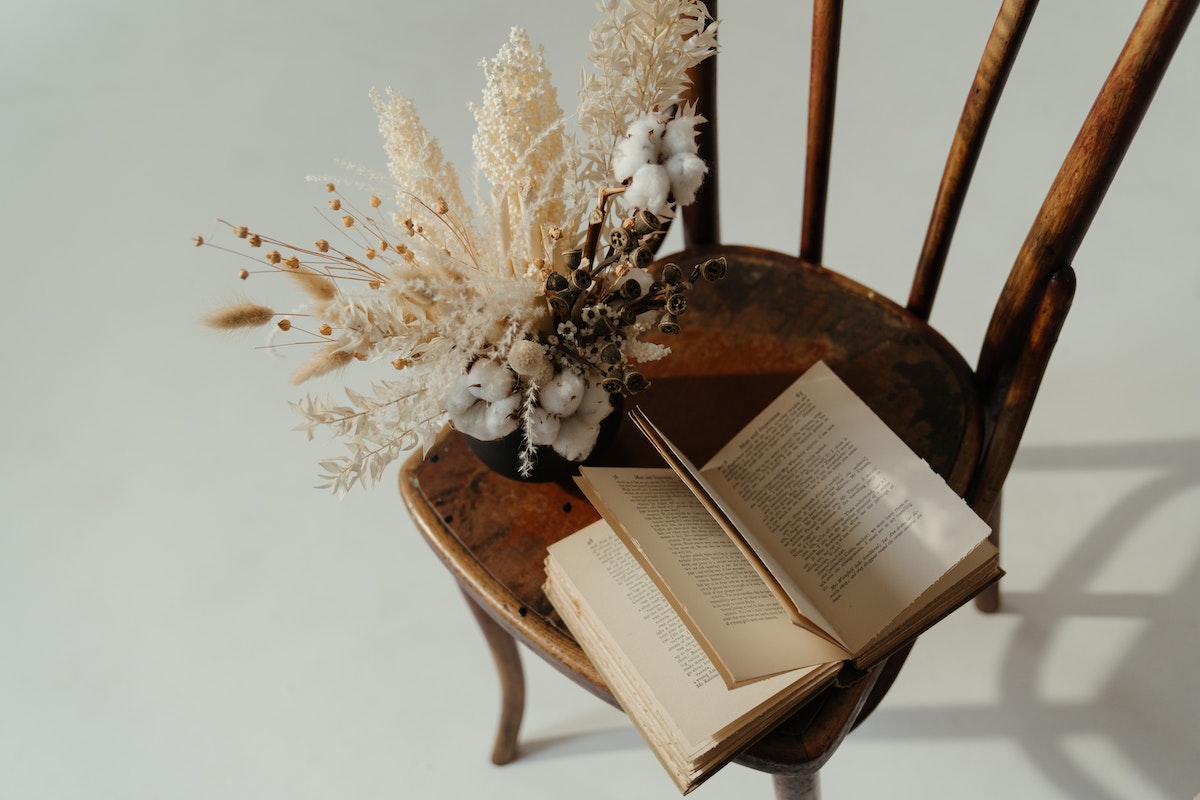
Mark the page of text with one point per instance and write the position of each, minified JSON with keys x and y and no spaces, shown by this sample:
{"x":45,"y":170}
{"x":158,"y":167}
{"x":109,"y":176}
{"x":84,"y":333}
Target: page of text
{"x":861,"y":523}
{"x":737,"y":619}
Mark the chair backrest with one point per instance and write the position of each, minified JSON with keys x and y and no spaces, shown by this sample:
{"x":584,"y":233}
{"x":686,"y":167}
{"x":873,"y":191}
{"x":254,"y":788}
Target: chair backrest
{"x":1033,"y":304}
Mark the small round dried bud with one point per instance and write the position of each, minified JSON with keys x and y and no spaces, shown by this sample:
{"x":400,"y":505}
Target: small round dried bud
{"x":383,"y":245}
{"x":400,"y":363}
{"x":672,"y":274}
{"x":611,"y":354}
{"x":292,"y":262}
{"x":440,"y":206}
{"x":199,"y":240}
{"x":410,"y":227}
{"x":555,"y":282}
{"x":243,"y":274}
{"x":677,"y":303}
{"x":581,"y":279}
{"x":241,"y":231}
{"x":274,"y":257}
{"x":375,"y":202}
{"x":668,"y":324}
{"x":348,"y":221}
{"x":555,"y":234}
{"x":329,"y":187}
{"x":573,"y":258}
{"x":370,"y":253}
{"x":360,"y":356}
{"x":255,"y":240}
{"x":323,"y":245}
{"x":635,"y":381}
{"x":641,"y":257}
{"x":284,"y":324}
{"x":539,"y":265}
{"x":620,"y":239}
{"x":715,"y":269}
{"x":631,"y":289}
{"x":325,"y":329}
{"x":335,"y":204}
{"x":374,"y":284}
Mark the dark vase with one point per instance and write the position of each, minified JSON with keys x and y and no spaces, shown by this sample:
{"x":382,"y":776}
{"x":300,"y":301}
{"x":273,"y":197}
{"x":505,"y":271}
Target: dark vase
{"x":502,"y":456}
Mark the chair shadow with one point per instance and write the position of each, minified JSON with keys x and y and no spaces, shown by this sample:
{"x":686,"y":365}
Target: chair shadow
{"x":1147,"y":712}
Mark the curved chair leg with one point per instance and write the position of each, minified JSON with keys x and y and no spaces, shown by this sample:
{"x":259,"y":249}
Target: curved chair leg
{"x":512,"y":682}
{"x":797,"y":787}
{"x":988,"y":601}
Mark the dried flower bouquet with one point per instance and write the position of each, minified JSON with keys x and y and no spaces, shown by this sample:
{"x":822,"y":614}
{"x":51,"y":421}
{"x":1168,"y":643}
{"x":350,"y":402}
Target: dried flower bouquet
{"x":514,"y":315}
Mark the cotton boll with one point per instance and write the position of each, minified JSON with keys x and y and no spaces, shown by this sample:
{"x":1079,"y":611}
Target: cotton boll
{"x":460,"y":398}
{"x":562,"y":393}
{"x":680,"y":136}
{"x":649,"y":189}
{"x":490,"y":381}
{"x":595,"y":406}
{"x":686,"y":172}
{"x":542,"y":427}
{"x":473,"y":422}
{"x":501,"y":416}
{"x":576,"y":438}
{"x":640,"y":146}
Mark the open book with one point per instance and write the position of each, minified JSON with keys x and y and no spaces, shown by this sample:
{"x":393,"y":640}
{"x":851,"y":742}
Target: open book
{"x":812,"y":540}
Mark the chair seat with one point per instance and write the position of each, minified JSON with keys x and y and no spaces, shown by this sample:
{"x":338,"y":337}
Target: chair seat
{"x":743,"y":341}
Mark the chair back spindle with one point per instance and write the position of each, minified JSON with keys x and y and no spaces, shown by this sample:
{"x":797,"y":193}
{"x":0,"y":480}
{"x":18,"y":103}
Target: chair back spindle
{"x":998,"y":57}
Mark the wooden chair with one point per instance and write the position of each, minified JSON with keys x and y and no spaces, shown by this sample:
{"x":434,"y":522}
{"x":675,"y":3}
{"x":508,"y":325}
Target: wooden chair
{"x":775,"y":315}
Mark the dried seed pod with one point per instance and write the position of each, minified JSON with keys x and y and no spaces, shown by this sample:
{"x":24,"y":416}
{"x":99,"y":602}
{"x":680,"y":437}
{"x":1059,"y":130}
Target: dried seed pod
{"x":641,"y":257}
{"x":612,"y":382}
{"x":631,"y":289}
{"x":677,"y":303}
{"x":603,"y":328}
{"x":671,"y":274}
{"x":668,"y":324}
{"x":611,"y":354}
{"x":581,"y":279}
{"x":555,"y":282}
{"x":559,"y":306}
{"x":635,"y":381}
{"x":646,"y":222}
{"x":715,"y":269}
{"x":573,"y":258}
{"x":620,"y":239}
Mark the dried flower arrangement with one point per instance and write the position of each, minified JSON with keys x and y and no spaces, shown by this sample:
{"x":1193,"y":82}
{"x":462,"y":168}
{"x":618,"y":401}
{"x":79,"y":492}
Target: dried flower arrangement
{"x":511,"y":315}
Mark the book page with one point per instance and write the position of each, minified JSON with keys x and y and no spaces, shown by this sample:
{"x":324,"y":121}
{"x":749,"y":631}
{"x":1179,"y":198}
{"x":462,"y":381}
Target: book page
{"x":721,"y":597}
{"x":651,"y":662}
{"x":861,"y":523}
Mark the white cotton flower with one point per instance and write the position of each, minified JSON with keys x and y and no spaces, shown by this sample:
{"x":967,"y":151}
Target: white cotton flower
{"x":686,"y":172}
{"x":562,"y":394}
{"x":473,"y":422}
{"x":502,"y":416}
{"x":641,"y":144}
{"x":576,"y":438}
{"x":460,"y":398}
{"x":680,"y":136}
{"x":595,"y":405}
{"x":490,"y":380}
{"x":541,"y":426}
{"x":649,"y":189}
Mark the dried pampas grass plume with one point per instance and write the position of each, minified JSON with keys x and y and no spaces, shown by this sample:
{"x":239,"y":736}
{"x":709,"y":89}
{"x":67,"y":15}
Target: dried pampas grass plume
{"x":239,"y":315}
{"x":327,"y":360}
{"x":314,"y":284}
